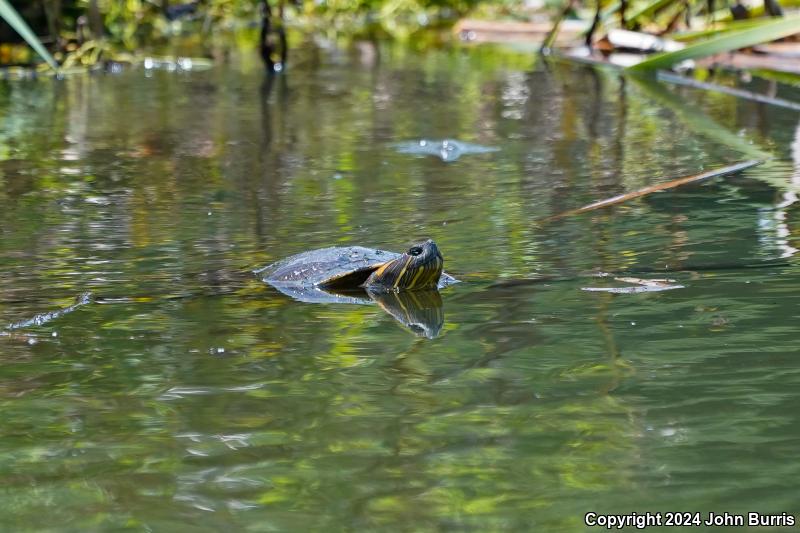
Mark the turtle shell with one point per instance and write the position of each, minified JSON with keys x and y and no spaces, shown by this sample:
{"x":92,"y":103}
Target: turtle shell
{"x":326,"y":266}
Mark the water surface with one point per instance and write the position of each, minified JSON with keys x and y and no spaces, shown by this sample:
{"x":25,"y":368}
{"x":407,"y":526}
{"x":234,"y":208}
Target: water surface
{"x":194,"y":397}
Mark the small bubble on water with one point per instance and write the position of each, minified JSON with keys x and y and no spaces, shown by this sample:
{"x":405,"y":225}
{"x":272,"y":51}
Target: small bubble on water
{"x":31,"y":341}
{"x":209,"y":213}
{"x":633,"y":323}
{"x":54,"y":334}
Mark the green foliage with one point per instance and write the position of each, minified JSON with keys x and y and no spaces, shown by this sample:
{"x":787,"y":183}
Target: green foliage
{"x":129,"y":22}
{"x":398,"y":18}
{"x":135,"y":24}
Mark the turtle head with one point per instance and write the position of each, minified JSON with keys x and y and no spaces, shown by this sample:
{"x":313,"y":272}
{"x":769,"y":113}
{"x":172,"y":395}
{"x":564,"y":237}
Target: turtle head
{"x":419,"y":268}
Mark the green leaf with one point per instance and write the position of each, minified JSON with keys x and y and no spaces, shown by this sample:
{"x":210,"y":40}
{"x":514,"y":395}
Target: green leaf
{"x":10,"y":15}
{"x":770,"y":30}
{"x":649,"y":10}
{"x":724,"y":27}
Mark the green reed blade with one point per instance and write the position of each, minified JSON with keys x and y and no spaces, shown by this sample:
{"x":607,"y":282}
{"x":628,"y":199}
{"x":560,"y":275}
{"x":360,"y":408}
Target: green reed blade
{"x":10,"y":15}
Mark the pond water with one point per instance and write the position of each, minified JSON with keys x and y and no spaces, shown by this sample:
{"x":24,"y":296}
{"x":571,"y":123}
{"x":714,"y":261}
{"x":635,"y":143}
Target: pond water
{"x":193,"y":397}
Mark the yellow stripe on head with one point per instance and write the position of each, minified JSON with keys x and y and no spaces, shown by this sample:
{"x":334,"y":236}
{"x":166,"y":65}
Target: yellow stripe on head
{"x":419,"y":272}
{"x":383,"y":267}
{"x":430,"y":271}
{"x":403,"y":271}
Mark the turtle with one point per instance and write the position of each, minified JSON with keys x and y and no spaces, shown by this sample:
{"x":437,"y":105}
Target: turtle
{"x":334,"y":274}
{"x":404,"y":285}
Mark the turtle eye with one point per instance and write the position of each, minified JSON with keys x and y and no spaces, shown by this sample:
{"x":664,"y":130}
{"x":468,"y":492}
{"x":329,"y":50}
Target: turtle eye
{"x":416,"y":250}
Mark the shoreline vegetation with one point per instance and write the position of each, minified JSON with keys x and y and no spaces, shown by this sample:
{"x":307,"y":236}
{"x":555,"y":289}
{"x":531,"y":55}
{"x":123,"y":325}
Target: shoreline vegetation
{"x":637,"y":36}
{"x":657,"y":44}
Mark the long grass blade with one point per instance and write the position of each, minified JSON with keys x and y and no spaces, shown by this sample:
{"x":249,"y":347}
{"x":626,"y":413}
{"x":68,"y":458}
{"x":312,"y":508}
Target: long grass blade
{"x":717,"y":29}
{"x":768,"y":31}
{"x":10,"y":15}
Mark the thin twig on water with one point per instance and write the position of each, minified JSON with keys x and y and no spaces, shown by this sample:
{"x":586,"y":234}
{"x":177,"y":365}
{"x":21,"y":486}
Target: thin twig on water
{"x":730,"y":169}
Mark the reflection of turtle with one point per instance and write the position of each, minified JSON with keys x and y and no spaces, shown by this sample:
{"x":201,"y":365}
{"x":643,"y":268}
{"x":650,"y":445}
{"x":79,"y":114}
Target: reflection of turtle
{"x":419,"y":311}
{"x":360,"y":275}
